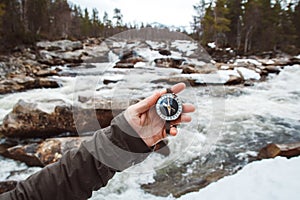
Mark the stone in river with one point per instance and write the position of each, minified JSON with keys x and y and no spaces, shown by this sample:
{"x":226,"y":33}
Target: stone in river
{"x":44,"y":153}
{"x":287,"y":150}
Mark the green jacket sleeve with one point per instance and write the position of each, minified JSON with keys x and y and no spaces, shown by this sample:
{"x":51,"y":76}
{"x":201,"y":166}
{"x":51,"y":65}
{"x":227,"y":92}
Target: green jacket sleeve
{"x":81,"y":171}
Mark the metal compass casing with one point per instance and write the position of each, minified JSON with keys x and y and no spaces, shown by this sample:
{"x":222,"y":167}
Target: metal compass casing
{"x":169,"y":107}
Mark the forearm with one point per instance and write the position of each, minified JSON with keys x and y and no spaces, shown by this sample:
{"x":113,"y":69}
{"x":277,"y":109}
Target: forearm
{"x":86,"y":169}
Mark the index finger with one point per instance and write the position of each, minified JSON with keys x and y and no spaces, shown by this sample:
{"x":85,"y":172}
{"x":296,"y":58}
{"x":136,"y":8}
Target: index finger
{"x":176,"y":88}
{"x":147,"y":103}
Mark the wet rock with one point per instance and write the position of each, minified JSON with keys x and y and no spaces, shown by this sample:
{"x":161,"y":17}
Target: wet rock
{"x":128,"y":59}
{"x":272,"y":69}
{"x":59,"y":58}
{"x":164,"y":52}
{"x":169,"y":62}
{"x":60,"y":45}
{"x":272,"y":150}
{"x":46,"y":72}
{"x":174,"y":80}
{"x":124,"y":65}
{"x":28,"y":120}
{"x":44,"y":153}
{"x":6,"y":186}
{"x":294,"y":61}
{"x":21,"y":83}
{"x":206,"y":69}
{"x":182,"y":184}
{"x":234,"y":80}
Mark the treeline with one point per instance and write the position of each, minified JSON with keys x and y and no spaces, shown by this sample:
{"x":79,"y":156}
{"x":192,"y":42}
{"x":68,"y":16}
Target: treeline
{"x":249,"y":26}
{"x":27,"y":21}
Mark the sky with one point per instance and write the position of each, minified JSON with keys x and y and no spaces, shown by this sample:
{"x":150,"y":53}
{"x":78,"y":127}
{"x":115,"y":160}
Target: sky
{"x":167,"y":12}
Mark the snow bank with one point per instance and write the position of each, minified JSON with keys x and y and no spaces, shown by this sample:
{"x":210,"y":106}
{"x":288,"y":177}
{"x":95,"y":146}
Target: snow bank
{"x":272,"y":179}
{"x":248,"y":73}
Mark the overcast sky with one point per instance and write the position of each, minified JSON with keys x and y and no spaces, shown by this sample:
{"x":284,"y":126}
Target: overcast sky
{"x":168,"y":12}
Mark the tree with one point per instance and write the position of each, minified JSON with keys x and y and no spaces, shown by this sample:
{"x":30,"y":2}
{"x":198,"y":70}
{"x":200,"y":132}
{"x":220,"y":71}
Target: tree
{"x":296,"y":22}
{"x":221,"y":23}
{"x":235,"y":14}
{"x":197,"y":27}
{"x":12,"y":31}
{"x":215,"y":24}
{"x":86,"y":25}
{"x":2,"y":6}
{"x":118,"y":16}
{"x":37,"y":17}
{"x":208,"y":26}
{"x":97,"y":26}
{"x":60,"y":19}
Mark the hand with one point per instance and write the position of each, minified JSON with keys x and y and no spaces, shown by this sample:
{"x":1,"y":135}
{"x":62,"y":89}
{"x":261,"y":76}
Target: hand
{"x":144,"y":120}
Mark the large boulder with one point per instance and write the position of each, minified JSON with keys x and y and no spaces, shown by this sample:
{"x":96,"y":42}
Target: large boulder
{"x":29,"y":120}
{"x":128,"y":59}
{"x":21,"y":83}
{"x":60,"y":45}
{"x":169,"y":62}
{"x":287,"y":150}
{"x":44,"y":153}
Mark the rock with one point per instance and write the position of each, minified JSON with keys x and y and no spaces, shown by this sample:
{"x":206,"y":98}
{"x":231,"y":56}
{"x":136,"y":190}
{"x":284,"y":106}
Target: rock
{"x":272,"y":150}
{"x":6,"y":186}
{"x":294,"y":61}
{"x":182,"y":185}
{"x":164,"y":52}
{"x":46,"y":72}
{"x":169,"y":62}
{"x":60,"y":45}
{"x":174,"y":80}
{"x":206,"y":69}
{"x":128,"y":59}
{"x":124,"y":65}
{"x":44,"y":153}
{"x":21,"y":83}
{"x":59,"y":58}
{"x":28,"y":120}
{"x":272,"y":69}
{"x":234,"y":80}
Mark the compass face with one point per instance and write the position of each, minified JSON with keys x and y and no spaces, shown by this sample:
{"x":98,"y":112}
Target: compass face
{"x":169,"y":107}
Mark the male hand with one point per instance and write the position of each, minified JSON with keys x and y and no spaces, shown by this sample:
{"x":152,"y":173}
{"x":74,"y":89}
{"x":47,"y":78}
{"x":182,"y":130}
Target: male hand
{"x":144,"y":120}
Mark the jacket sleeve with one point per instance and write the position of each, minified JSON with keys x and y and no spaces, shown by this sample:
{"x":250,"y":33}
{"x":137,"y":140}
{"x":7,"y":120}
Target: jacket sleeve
{"x":81,"y":171}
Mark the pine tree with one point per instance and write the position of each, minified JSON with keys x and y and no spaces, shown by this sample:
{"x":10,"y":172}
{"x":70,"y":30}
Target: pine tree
{"x":208,"y":26}
{"x":221,"y":23}
{"x":38,"y":17}
{"x":235,"y":14}
{"x":12,"y":32}
{"x":86,"y":25}
{"x":60,"y":19}
{"x":296,"y":22}
{"x":215,"y":24}
{"x":119,"y":17}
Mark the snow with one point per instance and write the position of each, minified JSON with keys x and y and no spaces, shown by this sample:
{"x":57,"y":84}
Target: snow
{"x":212,"y":45}
{"x":251,"y":61}
{"x":272,"y":179}
{"x":225,"y":74}
{"x":188,"y":47}
{"x":298,"y":57}
{"x":248,"y":73}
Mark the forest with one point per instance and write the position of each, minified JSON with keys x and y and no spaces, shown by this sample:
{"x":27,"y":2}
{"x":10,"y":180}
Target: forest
{"x":248,"y":27}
